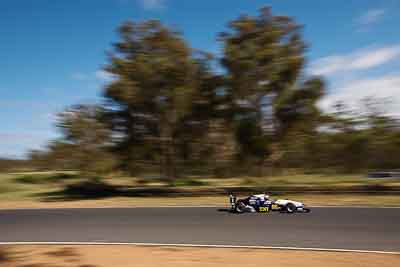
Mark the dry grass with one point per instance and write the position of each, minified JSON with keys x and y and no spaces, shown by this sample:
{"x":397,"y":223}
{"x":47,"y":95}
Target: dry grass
{"x":219,"y":201}
{"x":121,"y":256}
{"x":25,"y":190}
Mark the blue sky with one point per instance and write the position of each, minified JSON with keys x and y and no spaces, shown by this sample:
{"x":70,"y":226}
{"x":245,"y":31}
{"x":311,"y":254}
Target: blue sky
{"x":51,"y":52}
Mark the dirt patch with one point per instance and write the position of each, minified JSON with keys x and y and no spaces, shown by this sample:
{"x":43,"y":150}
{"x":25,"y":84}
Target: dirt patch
{"x":66,"y":252}
{"x":121,"y":256}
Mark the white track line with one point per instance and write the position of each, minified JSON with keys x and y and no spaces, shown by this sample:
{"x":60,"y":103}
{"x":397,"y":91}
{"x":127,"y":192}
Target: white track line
{"x":198,"y":246}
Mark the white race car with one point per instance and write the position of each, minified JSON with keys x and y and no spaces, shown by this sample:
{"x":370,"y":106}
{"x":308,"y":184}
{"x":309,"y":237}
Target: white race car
{"x":262,"y":203}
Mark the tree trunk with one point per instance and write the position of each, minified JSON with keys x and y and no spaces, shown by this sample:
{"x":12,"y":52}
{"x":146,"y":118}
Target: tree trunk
{"x":168,"y":167}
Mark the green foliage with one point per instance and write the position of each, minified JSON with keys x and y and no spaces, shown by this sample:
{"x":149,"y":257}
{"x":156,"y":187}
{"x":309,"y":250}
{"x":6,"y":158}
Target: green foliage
{"x":29,"y":179}
{"x":262,"y":54}
{"x":43,"y":179}
{"x":188,"y":182}
{"x":251,"y":139}
{"x":299,"y":106}
{"x":86,"y":140}
{"x":152,"y":91}
{"x":264,"y":58}
{"x":167,"y":110}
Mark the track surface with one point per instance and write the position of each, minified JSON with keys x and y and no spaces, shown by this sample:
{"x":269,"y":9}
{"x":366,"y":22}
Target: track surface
{"x":343,"y":228}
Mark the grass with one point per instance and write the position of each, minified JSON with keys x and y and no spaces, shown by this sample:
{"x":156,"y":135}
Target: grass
{"x":214,"y":201}
{"x":189,"y":182}
{"x":318,"y":180}
{"x":59,"y":189}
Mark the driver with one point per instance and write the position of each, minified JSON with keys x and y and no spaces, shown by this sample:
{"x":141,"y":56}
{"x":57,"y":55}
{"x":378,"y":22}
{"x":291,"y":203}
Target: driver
{"x":258,"y":199}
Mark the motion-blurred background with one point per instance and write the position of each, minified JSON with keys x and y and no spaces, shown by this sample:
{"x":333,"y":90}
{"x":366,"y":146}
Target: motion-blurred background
{"x":206,"y":94}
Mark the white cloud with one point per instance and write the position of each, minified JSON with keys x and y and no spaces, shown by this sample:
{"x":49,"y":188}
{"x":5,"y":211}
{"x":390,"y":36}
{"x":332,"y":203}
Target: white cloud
{"x":99,"y":75}
{"x":370,"y":17}
{"x":50,"y":116}
{"x":104,"y":76}
{"x":79,"y":76}
{"x":152,"y":4}
{"x":357,"y":60}
{"x":382,"y":88}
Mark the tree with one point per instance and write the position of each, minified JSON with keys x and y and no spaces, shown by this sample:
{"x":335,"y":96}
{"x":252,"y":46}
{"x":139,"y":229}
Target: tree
{"x":85,"y":141}
{"x":205,"y":134}
{"x":263,"y":56}
{"x":264,"y":59}
{"x":151,"y":93}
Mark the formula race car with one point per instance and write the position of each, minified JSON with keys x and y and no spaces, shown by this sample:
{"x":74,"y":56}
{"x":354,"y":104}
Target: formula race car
{"x":262,"y":203}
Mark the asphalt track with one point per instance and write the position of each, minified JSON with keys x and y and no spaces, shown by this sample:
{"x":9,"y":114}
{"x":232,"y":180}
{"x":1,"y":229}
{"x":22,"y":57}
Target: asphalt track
{"x":330,"y":228}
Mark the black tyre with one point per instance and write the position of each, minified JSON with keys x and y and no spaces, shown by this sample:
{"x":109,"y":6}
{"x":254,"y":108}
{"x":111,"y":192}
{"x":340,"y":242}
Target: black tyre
{"x":240,"y":207}
{"x":290,"y":208}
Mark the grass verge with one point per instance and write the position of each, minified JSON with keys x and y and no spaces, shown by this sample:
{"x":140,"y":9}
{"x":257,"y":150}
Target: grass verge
{"x":219,"y":201}
{"x":68,"y":190}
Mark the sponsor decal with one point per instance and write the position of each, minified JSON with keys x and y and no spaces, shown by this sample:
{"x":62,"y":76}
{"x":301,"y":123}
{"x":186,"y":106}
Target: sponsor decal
{"x":263,"y":209}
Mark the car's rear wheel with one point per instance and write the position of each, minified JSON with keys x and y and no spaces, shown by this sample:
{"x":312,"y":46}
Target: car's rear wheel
{"x":240,"y":207}
{"x":290,"y":208}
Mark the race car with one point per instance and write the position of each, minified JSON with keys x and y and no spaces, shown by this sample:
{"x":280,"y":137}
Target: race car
{"x":262,"y":203}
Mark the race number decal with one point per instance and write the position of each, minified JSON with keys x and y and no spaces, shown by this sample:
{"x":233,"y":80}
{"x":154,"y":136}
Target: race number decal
{"x":263,"y":209}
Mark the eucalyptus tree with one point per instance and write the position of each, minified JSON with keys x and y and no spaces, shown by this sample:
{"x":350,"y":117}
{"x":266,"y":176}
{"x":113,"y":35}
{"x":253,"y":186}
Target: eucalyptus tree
{"x":151,"y":93}
{"x":264,"y":59}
